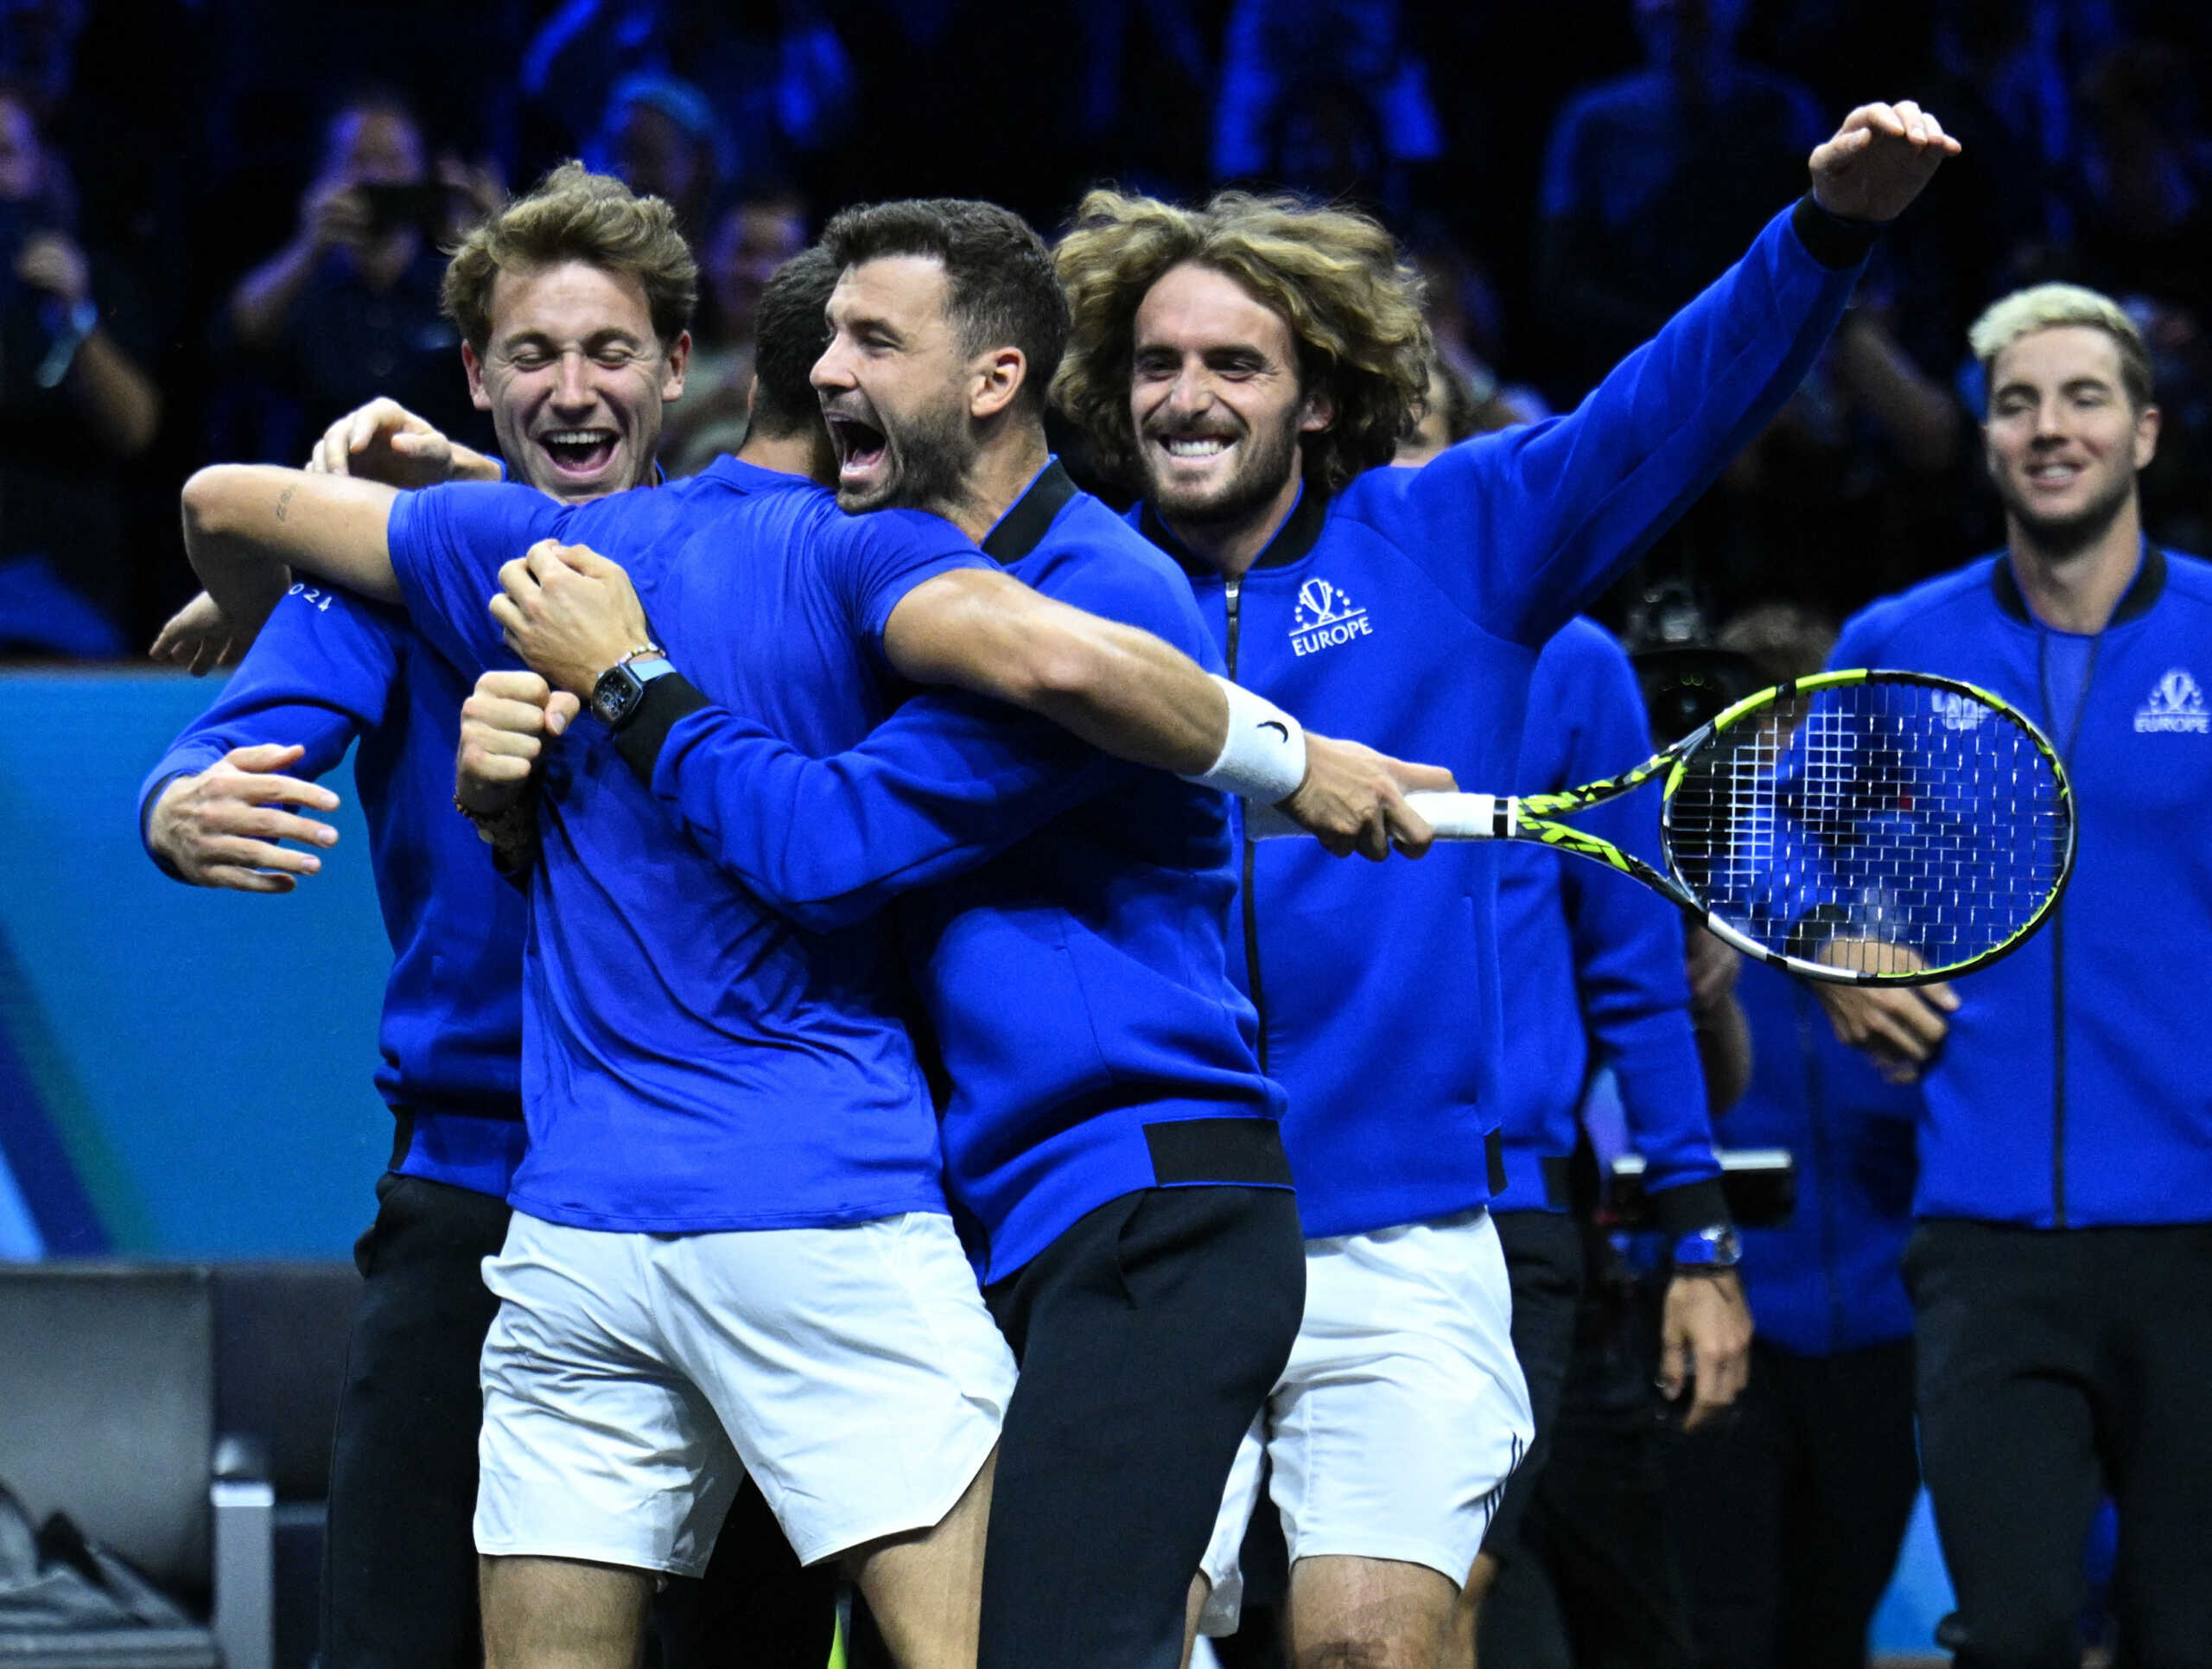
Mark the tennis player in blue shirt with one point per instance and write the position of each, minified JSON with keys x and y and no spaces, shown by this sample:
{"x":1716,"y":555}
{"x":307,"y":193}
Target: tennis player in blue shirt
{"x":1249,"y":367}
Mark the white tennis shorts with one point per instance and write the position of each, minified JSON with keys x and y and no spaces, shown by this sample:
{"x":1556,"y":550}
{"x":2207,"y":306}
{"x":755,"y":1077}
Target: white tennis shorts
{"x":630,"y":1381}
{"x":1400,"y":1414}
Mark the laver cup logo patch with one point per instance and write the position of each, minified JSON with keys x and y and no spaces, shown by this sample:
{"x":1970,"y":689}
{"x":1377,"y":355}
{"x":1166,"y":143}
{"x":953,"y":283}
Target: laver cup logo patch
{"x":1323,"y":618}
{"x":2177,"y":705}
{"x":1958,"y":712}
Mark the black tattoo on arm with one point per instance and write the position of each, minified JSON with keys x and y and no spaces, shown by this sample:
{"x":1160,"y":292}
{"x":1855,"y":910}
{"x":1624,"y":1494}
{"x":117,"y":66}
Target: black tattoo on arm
{"x":284,"y":500}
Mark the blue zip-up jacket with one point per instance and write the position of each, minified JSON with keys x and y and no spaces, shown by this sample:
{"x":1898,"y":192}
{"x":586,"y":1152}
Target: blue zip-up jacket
{"x":1597,"y":958}
{"x":1078,"y":982}
{"x":2074,"y":1087}
{"x":326,"y":668}
{"x":1827,"y":1280}
{"x":1407,"y":611}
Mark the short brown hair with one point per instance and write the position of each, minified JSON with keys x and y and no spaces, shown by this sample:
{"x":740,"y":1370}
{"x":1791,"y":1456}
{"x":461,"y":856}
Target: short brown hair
{"x":575,"y":215}
{"x":1001,"y":288}
{"x":1333,"y":274}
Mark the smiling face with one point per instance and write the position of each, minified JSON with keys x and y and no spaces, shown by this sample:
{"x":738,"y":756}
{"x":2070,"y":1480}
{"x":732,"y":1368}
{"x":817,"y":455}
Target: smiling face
{"x":1216,"y":402}
{"x":2063,"y":440}
{"x":894,"y":385}
{"x":575,"y":378}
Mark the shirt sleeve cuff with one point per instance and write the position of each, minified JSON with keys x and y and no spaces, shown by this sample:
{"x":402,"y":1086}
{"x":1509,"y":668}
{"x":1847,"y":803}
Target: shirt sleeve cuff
{"x":1690,"y":1208}
{"x":1835,"y":243}
{"x":666,"y":699}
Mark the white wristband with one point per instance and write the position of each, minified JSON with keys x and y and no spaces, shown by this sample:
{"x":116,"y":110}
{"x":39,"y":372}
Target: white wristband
{"x":1264,"y":757}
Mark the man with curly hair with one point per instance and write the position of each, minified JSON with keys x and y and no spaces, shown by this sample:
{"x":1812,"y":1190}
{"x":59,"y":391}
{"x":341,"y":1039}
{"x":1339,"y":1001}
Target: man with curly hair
{"x":1248,"y":366}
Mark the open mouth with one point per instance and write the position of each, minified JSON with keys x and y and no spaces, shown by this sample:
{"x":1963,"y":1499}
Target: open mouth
{"x":1193,"y":449}
{"x":860,"y":447}
{"x":579,"y":453}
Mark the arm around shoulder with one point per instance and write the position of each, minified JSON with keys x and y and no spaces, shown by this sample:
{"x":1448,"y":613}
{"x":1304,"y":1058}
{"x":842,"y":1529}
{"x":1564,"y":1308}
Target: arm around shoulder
{"x":246,"y":525}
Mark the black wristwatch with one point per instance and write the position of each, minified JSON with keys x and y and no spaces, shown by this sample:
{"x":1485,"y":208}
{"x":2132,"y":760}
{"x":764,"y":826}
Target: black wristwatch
{"x":1708,"y":1250}
{"x":614,"y":698}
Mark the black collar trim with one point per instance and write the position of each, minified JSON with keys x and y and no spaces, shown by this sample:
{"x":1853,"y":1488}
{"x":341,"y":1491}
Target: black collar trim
{"x":2145,"y":589}
{"x":1300,"y":531}
{"x":1031,"y":516}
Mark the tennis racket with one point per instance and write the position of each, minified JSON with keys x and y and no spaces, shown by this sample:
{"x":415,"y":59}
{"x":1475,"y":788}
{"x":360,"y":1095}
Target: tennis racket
{"x":1862,"y":827}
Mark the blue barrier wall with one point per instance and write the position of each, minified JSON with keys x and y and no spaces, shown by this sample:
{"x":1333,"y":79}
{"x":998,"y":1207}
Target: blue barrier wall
{"x":183,"y":1071}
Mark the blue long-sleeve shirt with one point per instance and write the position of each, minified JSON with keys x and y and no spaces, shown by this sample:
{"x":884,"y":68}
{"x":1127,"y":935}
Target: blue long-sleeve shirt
{"x":1597,"y":958}
{"x":1408,"y":611}
{"x":2073,"y":1089}
{"x":328,"y":668}
{"x":691,"y":1063}
{"x":1078,"y":982}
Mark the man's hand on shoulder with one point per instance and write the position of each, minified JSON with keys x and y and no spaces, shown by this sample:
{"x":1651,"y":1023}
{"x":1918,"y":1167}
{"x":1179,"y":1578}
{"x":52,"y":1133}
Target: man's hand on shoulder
{"x":1353,"y":800}
{"x":385,"y":441}
{"x":569,"y":612}
{"x":1878,"y":161}
{"x":220,"y":827}
{"x":506,"y":724}
{"x":200,"y":637}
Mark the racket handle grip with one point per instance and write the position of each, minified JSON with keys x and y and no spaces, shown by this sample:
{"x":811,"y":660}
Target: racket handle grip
{"x":1454,"y":817}
{"x":1468,"y":817}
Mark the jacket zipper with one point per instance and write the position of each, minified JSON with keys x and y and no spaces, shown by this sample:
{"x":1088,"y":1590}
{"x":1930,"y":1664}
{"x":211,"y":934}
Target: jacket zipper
{"x":1231,"y":591}
{"x":2058,"y":931}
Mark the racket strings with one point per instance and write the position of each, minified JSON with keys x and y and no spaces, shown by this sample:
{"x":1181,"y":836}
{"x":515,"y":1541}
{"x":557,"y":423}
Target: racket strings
{"x":1886,"y":825}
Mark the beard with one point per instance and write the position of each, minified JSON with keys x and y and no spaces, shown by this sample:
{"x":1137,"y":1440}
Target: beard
{"x":2060,"y":536}
{"x":1270,"y":458}
{"x":925,"y":458}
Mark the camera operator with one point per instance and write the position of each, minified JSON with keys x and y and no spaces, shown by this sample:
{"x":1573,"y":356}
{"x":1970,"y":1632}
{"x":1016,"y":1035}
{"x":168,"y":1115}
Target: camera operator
{"x":348,"y":308}
{"x":75,"y":403}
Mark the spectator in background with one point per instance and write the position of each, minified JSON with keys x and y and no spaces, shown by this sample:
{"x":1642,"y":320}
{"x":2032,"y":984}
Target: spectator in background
{"x":1324,"y":94}
{"x":1816,"y":1476}
{"x":1655,"y":181}
{"x":754,"y":237}
{"x":662,"y":138}
{"x":76,"y":405}
{"x":348,"y":309}
{"x":773,"y":72}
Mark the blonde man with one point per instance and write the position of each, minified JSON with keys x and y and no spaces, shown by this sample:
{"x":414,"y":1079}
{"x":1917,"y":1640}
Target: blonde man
{"x":2061,"y":1274}
{"x":1249,"y":367}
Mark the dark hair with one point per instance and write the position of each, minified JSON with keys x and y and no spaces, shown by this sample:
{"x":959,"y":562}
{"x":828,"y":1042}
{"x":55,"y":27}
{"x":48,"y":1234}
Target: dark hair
{"x":1002,"y":286}
{"x":575,"y":215}
{"x":790,"y":331}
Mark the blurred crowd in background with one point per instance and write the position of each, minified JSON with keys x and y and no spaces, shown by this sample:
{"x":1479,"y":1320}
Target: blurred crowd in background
{"x":221,"y":221}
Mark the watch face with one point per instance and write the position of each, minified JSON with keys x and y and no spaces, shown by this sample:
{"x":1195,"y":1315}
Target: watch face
{"x":614,"y":694}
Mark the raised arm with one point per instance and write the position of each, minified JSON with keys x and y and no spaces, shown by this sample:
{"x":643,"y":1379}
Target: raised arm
{"x":1553,"y":511}
{"x":246,"y":527}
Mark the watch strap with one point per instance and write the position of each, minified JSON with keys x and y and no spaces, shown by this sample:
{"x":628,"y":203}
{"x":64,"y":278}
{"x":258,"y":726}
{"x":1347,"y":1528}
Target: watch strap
{"x":666,"y":699}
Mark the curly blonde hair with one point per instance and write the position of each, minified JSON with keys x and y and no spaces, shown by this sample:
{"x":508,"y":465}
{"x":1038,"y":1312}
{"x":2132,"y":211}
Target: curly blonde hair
{"x":575,"y":215}
{"x":1333,"y":276}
